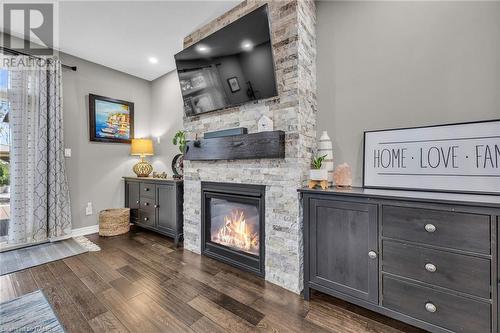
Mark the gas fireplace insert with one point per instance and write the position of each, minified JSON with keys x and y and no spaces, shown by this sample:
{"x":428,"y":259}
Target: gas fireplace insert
{"x":233,"y":223}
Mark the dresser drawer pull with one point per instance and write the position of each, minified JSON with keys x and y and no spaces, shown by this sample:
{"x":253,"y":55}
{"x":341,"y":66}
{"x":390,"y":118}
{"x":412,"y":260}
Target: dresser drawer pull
{"x":146,"y":219}
{"x":430,"y":227}
{"x":430,"y":307}
{"x":430,"y":268}
{"x":372,"y":255}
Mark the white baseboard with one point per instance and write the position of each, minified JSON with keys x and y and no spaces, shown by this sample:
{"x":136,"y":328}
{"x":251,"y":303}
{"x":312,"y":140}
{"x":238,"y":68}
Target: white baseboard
{"x":85,"y":230}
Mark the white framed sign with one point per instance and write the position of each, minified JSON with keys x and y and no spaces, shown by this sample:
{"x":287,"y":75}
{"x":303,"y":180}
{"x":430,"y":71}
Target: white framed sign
{"x":461,"y":157}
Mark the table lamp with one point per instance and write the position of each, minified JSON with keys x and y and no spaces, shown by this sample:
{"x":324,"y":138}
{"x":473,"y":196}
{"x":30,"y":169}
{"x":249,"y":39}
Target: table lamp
{"x":142,"y":148}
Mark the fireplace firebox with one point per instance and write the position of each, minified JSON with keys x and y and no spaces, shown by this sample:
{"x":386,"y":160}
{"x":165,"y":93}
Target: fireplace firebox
{"x":233,"y":223}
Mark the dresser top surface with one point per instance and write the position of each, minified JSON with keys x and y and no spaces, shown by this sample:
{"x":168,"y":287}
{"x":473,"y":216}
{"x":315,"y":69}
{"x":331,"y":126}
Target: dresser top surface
{"x":457,"y":198}
{"x":151,"y":179}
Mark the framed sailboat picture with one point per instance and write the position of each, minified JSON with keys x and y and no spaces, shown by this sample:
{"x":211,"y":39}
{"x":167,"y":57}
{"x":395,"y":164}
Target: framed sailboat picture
{"x":111,"y":120}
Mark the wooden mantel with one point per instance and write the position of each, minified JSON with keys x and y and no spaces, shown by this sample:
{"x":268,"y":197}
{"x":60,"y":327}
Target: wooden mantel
{"x":246,"y":146}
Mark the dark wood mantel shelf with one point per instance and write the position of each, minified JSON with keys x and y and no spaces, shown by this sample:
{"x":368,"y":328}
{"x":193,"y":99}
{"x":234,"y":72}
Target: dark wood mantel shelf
{"x":246,"y":146}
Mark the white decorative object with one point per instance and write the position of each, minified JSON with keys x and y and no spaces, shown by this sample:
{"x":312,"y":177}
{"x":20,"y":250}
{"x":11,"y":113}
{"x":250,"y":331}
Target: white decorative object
{"x":458,"y":157}
{"x":318,"y":174}
{"x":265,"y":124}
{"x":325,"y":147}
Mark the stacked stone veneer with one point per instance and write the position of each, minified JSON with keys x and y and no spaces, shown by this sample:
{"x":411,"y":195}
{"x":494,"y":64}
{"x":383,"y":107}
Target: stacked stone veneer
{"x":294,"y":111}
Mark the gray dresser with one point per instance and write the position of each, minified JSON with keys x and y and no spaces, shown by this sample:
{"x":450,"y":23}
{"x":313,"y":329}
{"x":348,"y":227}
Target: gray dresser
{"x":428,"y":259}
{"x":156,"y":204}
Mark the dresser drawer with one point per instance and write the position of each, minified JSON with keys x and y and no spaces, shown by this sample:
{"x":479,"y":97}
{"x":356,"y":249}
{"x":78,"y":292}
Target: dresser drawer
{"x":455,"y":313}
{"x":147,"y":203}
{"x":463,"y":273}
{"x":147,"y":190}
{"x":464,"y":231}
{"x":147,"y":211}
{"x":147,"y":217}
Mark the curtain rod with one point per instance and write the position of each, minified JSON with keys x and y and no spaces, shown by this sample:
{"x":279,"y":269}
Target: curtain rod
{"x":14,"y":52}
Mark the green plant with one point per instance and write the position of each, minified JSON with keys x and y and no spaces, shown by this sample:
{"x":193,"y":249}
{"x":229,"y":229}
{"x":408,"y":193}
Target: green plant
{"x":4,"y":174}
{"x":180,"y":139}
{"x":317,"y":162}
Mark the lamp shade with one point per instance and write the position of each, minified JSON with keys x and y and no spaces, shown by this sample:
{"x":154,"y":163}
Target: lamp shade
{"x":142,"y":147}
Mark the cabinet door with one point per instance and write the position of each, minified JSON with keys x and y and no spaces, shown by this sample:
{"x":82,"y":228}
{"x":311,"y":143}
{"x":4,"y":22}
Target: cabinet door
{"x":132,"y":191}
{"x":167,"y":208}
{"x":341,"y":236}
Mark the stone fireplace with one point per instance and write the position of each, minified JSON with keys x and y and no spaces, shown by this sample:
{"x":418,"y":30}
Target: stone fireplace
{"x":293,"y":112}
{"x":233,"y":224}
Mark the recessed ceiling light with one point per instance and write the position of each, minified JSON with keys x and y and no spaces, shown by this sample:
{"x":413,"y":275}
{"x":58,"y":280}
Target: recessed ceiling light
{"x":246,"y":45}
{"x":153,"y":60}
{"x":202,"y":48}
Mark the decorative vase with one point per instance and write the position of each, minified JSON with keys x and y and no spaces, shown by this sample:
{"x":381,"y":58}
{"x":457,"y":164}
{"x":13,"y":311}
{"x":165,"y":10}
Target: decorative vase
{"x":343,"y":176}
{"x":325,"y":147}
{"x":318,"y":174}
{"x":265,"y":124}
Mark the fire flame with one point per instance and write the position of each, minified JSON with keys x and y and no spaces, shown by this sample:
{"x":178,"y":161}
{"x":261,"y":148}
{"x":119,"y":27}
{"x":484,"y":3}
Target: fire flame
{"x":236,"y":233}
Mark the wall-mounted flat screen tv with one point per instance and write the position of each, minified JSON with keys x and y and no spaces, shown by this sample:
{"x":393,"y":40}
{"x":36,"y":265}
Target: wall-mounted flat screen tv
{"x":232,"y":66}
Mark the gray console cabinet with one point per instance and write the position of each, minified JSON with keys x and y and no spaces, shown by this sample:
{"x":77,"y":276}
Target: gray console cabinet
{"x":428,"y":259}
{"x":156,"y":204}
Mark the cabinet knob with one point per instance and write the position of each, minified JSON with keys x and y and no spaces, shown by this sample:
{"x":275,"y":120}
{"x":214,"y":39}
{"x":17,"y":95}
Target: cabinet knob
{"x":146,"y":219}
{"x":146,"y":189}
{"x":372,"y":255}
{"x":430,"y":227}
{"x":146,"y":204}
{"x":137,"y":202}
{"x":430,"y":268}
{"x":430,"y":307}
{"x":156,"y":206}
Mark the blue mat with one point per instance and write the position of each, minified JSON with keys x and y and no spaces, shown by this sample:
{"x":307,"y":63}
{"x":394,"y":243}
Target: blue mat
{"x":28,"y":313}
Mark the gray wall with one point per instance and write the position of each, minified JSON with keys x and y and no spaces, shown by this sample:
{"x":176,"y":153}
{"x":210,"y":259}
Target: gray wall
{"x":399,"y":64}
{"x":166,"y":119}
{"x":95,"y":169}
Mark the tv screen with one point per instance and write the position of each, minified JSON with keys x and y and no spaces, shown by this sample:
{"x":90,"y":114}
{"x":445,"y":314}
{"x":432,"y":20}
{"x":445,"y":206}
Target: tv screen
{"x":232,"y":66}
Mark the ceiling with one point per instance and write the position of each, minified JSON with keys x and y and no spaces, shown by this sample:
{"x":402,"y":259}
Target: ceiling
{"x":123,"y":35}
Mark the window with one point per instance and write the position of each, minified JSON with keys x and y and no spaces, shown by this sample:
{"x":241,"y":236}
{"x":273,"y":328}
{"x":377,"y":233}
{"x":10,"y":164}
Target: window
{"x":4,"y":157}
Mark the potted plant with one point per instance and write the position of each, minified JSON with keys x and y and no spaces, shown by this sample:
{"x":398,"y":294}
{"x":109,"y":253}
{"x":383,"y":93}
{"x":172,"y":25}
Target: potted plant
{"x":316,"y":173}
{"x":179,"y":139}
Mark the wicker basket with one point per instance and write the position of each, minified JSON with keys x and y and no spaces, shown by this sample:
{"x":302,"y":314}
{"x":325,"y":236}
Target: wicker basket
{"x":113,"y":222}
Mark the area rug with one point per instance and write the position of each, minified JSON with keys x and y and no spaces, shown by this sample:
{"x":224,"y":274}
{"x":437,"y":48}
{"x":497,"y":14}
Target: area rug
{"x":29,"y":313}
{"x":16,"y":260}
{"x":87,"y":244}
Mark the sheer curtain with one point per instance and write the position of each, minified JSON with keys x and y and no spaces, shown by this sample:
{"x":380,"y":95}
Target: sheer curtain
{"x":40,"y":205}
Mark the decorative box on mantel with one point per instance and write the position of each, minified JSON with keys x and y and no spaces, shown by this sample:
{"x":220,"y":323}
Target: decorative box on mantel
{"x":246,"y":146}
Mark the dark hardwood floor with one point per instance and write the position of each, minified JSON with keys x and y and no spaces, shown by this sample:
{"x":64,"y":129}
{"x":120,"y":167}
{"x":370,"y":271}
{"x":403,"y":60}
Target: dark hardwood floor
{"x":140,"y":283}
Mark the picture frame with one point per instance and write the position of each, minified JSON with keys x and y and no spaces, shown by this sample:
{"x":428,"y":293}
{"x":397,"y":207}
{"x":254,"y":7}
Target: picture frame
{"x":234,"y":84}
{"x":454,"y":158}
{"x":110,"y":119}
